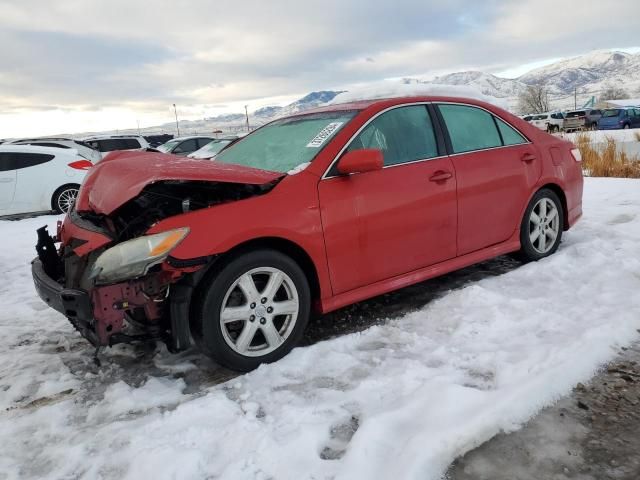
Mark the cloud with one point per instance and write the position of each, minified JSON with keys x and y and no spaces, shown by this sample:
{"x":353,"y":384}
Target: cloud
{"x":88,"y":54}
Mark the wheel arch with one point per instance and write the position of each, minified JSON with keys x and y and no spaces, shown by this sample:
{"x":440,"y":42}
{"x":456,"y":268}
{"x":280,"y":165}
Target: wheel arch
{"x":557,"y":189}
{"x":282,"y":245}
{"x":61,"y":187}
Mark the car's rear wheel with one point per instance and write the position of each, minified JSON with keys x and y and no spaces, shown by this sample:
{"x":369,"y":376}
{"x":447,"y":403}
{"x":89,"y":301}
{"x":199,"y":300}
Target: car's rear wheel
{"x":542,"y":226}
{"x":254,"y":310}
{"x":64,"y":198}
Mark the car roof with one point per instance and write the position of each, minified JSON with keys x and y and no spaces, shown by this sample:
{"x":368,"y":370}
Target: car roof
{"x":190,"y":137}
{"x":12,"y":147}
{"x":390,"y":101}
{"x":41,"y":139}
{"x":107,"y":137}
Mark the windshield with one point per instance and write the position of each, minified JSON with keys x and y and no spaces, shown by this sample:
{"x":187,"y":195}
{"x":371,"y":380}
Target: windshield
{"x":214,"y":147}
{"x":167,"y":147}
{"x":576,"y":114}
{"x":614,"y":112}
{"x":540,"y":117}
{"x":288,"y":143}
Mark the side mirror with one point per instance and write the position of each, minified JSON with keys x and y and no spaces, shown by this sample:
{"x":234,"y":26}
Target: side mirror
{"x":360,"y":161}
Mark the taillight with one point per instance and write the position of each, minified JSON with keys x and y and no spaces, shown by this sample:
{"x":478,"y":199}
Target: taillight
{"x":81,"y":164}
{"x":577,"y":156}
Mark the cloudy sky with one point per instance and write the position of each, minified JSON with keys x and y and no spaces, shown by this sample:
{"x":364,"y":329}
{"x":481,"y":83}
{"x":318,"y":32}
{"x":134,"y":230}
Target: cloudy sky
{"x":79,"y":65}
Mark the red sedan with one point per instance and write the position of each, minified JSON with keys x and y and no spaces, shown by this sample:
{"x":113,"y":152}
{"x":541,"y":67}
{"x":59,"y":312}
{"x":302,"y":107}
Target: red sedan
{"x":314,"y":211}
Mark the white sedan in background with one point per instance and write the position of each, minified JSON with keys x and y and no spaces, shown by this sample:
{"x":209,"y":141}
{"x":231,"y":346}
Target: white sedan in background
{"x":39,"y":179}
{"x":212,"y":148}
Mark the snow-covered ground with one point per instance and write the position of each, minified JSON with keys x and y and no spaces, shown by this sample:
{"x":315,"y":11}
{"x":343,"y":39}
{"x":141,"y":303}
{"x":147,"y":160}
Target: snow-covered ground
{"x":627,"y":140}
{"x":401,"y":399}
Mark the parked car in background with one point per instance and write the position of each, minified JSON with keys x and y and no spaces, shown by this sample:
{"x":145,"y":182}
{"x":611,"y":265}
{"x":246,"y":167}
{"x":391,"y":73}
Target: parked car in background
{"x":317,"y":210}
{"x":586,"y":118}
{"x":614,"y":118}
{"x":527,"y":118}
{"x":550,"y":121}
{"x":211,"y":149}
{"x":60,"y":142}
{"x":109,"y":143}
{"x":39,"y":179}
{"x":183,"y":146}
{"x":157,"y":140}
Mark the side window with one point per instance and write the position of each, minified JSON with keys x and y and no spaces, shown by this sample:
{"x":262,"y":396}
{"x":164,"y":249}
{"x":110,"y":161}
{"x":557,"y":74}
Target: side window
{"x":403,"y":134}
{"x":130,"y":144}
{"x":596,"y":112}
{"x":203,"y":141}
{"x":509,"y":135}
{"x":6,"y":163}
{"x":470,"y":128}
{"x":19,"y":160}
{"x":187,"y":146}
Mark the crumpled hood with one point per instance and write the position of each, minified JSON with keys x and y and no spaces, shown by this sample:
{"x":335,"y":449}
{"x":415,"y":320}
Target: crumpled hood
{"x":122,"y":175}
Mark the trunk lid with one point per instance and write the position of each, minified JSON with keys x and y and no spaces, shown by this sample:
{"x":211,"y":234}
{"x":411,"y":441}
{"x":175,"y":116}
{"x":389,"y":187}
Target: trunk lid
{"x":122,"y":175}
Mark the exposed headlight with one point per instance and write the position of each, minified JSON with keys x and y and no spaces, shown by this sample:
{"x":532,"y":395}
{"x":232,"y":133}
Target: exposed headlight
{"x":133,"y":258}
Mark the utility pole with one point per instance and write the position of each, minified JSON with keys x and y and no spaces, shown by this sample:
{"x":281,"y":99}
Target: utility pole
{"x":575,"y":98}
{"x":138,"y":121}
{"x":175,"y":110}
{"x":246,"y":113}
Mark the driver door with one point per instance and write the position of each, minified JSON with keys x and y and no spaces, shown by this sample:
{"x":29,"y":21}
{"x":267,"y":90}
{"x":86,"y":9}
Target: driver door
{"x":389,"y":222}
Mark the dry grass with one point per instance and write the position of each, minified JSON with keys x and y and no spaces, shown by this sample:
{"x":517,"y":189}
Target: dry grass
{"x":606,"y":160}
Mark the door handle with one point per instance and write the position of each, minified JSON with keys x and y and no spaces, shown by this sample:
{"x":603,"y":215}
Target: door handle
{"x":440,"y":176}
{"x":528,"y":157}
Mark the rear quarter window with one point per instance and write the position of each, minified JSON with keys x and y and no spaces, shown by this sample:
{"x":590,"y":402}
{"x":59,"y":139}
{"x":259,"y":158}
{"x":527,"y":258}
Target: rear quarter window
{"x":20,"y":160}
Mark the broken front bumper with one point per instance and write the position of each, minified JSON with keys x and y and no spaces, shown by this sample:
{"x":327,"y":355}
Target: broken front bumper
{"x":72,"y":303}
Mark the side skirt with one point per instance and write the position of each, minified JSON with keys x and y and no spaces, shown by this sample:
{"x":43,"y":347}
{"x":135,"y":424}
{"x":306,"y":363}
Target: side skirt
{"x":417,"y":276}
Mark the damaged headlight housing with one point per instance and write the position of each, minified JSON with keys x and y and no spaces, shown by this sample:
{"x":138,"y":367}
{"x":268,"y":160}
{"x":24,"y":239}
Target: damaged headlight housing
{"x":133,"y":258}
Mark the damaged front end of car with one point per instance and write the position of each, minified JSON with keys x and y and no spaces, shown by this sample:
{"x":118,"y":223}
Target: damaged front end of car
{"x":113,"y":280}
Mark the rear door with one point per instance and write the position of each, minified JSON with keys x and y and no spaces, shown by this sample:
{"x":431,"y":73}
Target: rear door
{"x":389,"y":222}
{"x":496,"y":168}
{"x":8,"y":178}
{"x":37,"y":177}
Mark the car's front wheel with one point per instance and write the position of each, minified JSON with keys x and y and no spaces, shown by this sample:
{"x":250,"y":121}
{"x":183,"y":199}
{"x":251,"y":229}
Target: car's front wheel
{"x":542,"y":226}
{"x":252,"y":311}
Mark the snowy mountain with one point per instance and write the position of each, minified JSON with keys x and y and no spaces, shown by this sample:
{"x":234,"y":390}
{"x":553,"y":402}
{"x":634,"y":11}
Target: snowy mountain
{"x":589,"y":72}
{"x":486,"y":83}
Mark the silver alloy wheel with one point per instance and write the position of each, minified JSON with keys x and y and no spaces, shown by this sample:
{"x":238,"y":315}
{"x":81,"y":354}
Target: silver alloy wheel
{"x":544,"y":225}
{"x":259,"y":311}
{"x":66,"y":199}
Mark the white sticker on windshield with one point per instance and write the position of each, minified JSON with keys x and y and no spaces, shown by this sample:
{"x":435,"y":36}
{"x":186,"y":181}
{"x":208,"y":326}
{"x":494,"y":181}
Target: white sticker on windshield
{"x":325,"y":133}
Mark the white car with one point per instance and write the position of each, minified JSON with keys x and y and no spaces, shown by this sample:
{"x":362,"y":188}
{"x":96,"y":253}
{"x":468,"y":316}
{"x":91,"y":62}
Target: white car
{"x":60,"y":142}
{"x":212,"y":148}
{"x":108,"y":143}
{"x":550,"y":121}
{"x":183,"y":146}
{"x":39,"y":179}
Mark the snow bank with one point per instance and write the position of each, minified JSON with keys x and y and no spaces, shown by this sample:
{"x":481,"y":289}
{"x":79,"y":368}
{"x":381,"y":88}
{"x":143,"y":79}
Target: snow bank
{"x":400,"y":400}
{"x":398,"y":88}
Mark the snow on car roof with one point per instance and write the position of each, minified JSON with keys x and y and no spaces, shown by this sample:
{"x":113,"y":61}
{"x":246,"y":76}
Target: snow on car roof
{"x":395,"y":89}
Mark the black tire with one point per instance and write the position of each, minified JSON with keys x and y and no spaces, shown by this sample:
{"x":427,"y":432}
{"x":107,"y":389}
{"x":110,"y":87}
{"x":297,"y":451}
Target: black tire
{"x":528,"y":251}
{"x":59,"y":203}
{"x":206,"y":326}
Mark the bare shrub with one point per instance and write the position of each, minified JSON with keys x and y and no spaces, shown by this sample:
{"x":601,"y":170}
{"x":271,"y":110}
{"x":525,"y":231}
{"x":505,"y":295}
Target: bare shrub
{"x":608,"y":160}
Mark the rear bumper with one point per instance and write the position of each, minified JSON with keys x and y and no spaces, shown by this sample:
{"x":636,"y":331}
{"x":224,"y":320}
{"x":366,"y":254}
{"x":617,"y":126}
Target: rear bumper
{"x":72,"y":303}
